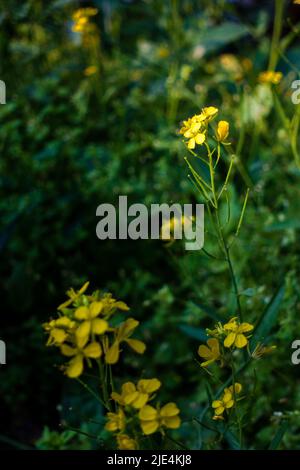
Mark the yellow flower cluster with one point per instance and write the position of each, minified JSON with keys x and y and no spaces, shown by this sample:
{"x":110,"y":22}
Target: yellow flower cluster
{"x":270,"y":77}
{"x":226,"y":402}
{"x":83,"y":330}
{"x":195,"y":128}
{"x":232,"y":334}
{"x":133,"y":408}
{"x":81,"y":19}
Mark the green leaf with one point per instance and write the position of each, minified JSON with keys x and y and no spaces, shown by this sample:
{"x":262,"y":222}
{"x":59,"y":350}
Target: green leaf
{"x":216,"y":37}
{"x":268,"y":318}
{"x":232,"y":440}
{"x":197,"y":333}
{"x":279,"y":435}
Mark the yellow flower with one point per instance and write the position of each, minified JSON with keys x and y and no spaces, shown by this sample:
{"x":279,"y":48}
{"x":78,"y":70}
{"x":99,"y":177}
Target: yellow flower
{"x":125,"y":442}
{"x":152,"y":419}
{"x":270,"y":77}
{"x":84,"y":13}
{"x":124,"y":331}
{"x":116,"y":421}
{"x":192,"y":130}
{"x":235,"y":333}
{"x":78,"y":353}
{"x":136,"y":396}
{"x":109,"y":304}
{"x":222,"y":131}
{"x":227,"y":401}
{"x":211,"y":352}
{"x":170,"y":227}
{"x":90,"y":323}
{"x":81,"y":19}
{"x":73,"y":296}
{"x":297,"y":2}
{"x":59,"y":330}
{"x":91,"y":70}
{"x":209,"y":113}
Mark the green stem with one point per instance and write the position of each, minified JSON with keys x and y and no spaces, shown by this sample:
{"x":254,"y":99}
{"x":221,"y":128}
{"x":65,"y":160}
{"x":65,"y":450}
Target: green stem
{"x":231,"y":269}
{"x":274,"y":52}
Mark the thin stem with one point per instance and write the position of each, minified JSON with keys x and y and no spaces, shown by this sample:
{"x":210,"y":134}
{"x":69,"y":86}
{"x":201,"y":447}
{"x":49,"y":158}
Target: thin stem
{"x":274,"y":53}
{"x":231,"y":269}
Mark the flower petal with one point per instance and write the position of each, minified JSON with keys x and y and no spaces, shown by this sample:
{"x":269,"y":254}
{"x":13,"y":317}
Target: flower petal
{"x":82,"y":313}
{"x":93,"y":350}
{"x":95,"y":309}
{"x":229,"y":340}
{"x":170,"y":409}
{"x":149,"y":427}
{"x":147,"y":413}
{"x":84,"y":329}
{"x":148,"y":385}
{"x":240,"y":341}
{"x":75,"y":367}
{"x":137,"y":345}
{"x":113,"y":353}
{"x":99,"y":326}
{"x":204,"y":352}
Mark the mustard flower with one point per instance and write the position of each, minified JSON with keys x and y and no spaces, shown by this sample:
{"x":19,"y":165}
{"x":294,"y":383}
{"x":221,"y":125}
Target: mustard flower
{"x":90,"y":324}
{"x":211,"y":352}
{"x":81,"y":351}
{"x":222,"y":131}
{"x":59,"y":330}
{"x":192,"y":130}
{"x":235,"y":333}
{"x":154,"y":419}
{"x":116,"y":421}
{"x":73,"y":296}
{"x":270,"y":77}
{"x":136,"y":396}
{"x":123,"y":335}
{"x":209,"y":113}
{"x":227,"y":401}
{"x":125,"y":442}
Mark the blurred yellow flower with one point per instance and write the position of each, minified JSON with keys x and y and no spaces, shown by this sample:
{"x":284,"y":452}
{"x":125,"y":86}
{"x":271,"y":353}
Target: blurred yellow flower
{"x":124,"y":331}
{"x":125,"y":442}
{"x":226,"y":402}
{"x":91,"y":70}
{"x":90,"y":323}
{"x":80,"y":352}
{"x":81,"y":22}
{"x":270,"y":77}
{"x":235,"y":333}
{"x":116,"y":421}
{"x":169,"y":227}
{"x":222,"y":131}
{"x":152,"y":419}
{"x":138,"y":396}
{"x":73,"y":295}
{"x":211,"y":352}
